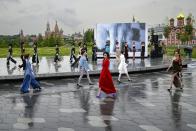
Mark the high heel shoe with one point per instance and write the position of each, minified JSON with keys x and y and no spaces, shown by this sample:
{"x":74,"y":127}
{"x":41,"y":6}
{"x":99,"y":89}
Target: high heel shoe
{"x":119,"y":81}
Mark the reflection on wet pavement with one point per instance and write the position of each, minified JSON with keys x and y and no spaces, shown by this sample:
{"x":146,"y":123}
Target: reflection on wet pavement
{"x":47,"y":65}
{"x":141,"y":105}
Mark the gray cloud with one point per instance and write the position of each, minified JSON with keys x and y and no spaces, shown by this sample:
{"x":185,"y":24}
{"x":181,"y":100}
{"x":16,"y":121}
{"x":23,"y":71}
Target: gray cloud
{"x":76,"y":15}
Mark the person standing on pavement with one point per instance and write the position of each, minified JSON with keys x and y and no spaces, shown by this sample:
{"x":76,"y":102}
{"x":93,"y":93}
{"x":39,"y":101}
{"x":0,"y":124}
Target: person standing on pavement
{"x":35,"y":58}
{"x":142,"y":50}
{"x":83,"y":68}
{"x":133,"y":50}
{"x":56,"y":57}
{"x":126,"y":50}
{"x":10,"y":51}
{"x":72,"y":54}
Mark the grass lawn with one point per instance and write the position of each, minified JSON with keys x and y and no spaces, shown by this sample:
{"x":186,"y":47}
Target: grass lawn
{"x":170,"y":51}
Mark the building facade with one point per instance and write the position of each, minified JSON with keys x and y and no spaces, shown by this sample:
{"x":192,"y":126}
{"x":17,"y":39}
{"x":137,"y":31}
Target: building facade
{"x":178,"y":27}
{"x":56,"y":32}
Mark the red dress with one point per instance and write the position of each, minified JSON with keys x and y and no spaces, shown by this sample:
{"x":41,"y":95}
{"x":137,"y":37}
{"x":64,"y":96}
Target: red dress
{"x":105,"y":80}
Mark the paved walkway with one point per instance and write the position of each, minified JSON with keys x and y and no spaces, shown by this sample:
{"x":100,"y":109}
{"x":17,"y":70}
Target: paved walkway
{"x":47,"y":68}
{"x":142,"y":105}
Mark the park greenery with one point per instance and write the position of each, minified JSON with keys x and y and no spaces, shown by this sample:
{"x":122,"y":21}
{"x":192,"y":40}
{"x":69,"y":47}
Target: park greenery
{"x":46,"y":46}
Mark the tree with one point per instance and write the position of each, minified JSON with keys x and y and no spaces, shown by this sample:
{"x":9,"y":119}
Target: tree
{"x":166,"y":32}
{"x":189,"y":32}
{"x":89,"y":36}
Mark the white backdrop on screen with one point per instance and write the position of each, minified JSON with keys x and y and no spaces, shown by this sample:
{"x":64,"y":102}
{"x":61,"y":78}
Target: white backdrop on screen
{"x":122,"y":32}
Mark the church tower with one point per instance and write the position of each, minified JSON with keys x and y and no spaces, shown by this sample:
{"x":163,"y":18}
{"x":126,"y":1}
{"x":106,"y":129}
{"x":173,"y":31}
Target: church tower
{"x":180,"y":20}
{"x":56,"y":29}
{"x":47,"y":32}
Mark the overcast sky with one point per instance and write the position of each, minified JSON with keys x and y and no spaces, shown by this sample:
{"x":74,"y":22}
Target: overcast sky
{"x":76,"y":15}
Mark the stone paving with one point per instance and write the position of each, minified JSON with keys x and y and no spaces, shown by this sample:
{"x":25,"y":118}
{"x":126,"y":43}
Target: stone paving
{"x":141,"y":105}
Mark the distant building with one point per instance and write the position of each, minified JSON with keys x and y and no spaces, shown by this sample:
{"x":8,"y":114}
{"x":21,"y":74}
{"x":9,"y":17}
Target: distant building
{"x":77,"y":36}
{"x":55,"y":32}
{"x":158,"y":30}
{"x":179,"y":28}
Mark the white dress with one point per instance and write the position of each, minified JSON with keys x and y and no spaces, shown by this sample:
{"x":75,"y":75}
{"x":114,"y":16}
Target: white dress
{"x":122,"y":66}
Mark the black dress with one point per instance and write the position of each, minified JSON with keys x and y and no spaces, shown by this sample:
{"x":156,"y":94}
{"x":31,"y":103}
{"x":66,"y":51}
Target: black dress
{"x":142,"y":52}
{"x":126,"y":52}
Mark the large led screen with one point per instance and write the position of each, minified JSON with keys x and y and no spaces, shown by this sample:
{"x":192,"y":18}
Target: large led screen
{"x":121,"y":32}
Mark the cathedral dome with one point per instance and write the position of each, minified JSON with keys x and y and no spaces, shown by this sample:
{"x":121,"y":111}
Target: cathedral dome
{"x":180,"y":15}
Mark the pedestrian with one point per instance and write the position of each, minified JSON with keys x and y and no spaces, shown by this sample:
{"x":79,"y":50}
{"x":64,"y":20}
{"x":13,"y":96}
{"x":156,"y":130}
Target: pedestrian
{"x":29,"y":78}
{"x":176,"y":69}
{"x":123,"y":67}
{"x":142,"y":50}
{"x":35,"y":58}
{"x":105,"y":80}
{"x":94,"y":50}
{"x":72,"y":54}
{"x":9,"y":57}
{"x":56,"y":57}
{"x":78,"y":57}
{"x":23,"y":65}
{"x":164,"y":51}
{"x":86,"y":50}
{"x":126,"y":50}
{"x":83,"y":68}
{"x":133,"y":50}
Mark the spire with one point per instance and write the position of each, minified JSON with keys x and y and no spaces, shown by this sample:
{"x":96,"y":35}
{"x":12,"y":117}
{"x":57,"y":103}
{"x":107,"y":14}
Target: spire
{"x":133,"y":19}
{"x":21,"y":34}
{"x":48,"y":27}
{"x":56,"y":28}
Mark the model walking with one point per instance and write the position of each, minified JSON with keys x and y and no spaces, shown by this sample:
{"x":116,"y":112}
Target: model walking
{"x":56,"y":57}
{"x":176,"y":69}
{"x":123,"y":67}
{"x":29,"y":78}
{"x":84,"y":68}
{"x":10,"y":51}
{"x":105,"y":80}
{"x":35,"y":58}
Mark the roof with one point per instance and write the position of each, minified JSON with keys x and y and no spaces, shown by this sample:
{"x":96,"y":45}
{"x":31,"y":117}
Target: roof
{"x":180,"y":15}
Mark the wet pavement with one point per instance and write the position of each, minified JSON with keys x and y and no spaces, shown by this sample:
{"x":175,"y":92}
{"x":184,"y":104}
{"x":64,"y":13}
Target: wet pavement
{"x":47,"y":65}
{"x":141,"y":105}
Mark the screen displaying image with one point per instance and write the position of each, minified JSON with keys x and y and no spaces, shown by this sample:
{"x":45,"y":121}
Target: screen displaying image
{"x":121,"y":33}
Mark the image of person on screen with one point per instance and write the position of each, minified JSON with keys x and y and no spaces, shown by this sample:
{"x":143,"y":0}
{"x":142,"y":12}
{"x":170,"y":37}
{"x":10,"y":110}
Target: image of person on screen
{"x":142,"y":50}
{"x":133,"y":50}
{"x":107,"y":47}
{"x":126,"y":49}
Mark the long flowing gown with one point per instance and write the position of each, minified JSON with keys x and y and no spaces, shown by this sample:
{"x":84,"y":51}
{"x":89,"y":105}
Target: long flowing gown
{"x":29,"y":79}
{"x":105,"y":81}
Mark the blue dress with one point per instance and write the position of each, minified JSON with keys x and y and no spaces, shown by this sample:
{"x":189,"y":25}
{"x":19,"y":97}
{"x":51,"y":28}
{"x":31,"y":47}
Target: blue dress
{"x":29,"y":79}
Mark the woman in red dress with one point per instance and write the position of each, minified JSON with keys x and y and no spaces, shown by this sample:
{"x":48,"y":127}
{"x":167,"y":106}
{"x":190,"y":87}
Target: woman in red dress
{"x":105,"y":81}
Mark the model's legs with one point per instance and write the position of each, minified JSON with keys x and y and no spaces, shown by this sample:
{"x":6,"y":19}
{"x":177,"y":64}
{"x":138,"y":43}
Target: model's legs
{"x":128,"y":76}
{"x":81,"y":75}
{"x":89,"y":80}
{"x":119,"y":77}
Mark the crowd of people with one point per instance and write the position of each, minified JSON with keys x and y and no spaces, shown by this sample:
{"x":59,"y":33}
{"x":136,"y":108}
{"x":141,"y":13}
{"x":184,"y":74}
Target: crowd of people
{"x":106,"y":84}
